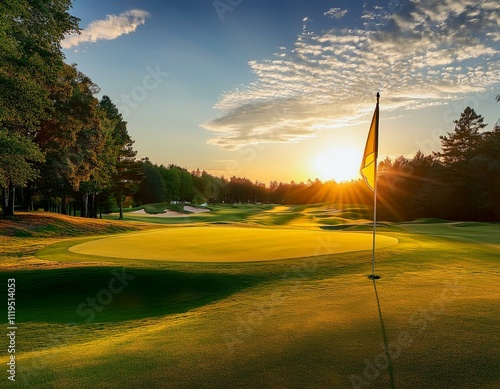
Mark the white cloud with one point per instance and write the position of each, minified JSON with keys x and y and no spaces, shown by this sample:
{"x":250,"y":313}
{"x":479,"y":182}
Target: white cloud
{"x":107,"y":29}
{"x":336,"y":13}
{"x":421,"y":55}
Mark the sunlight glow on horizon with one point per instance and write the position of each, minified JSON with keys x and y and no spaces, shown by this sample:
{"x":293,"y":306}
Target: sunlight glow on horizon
{"x":339,"y":163}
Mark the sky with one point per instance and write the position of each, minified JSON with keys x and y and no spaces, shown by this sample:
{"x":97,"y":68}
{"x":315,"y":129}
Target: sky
{"x":285,"y":89}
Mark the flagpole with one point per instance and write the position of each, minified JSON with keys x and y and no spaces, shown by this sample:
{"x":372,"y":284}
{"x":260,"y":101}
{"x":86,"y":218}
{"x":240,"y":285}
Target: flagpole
{"x":373,"y":276}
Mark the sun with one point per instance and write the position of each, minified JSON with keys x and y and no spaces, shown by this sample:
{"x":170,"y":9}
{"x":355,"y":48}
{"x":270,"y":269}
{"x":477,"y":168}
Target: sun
{"x":339,"y":164}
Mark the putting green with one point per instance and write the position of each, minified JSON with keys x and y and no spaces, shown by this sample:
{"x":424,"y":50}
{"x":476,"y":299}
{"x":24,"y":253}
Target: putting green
{"x":228,"y":244}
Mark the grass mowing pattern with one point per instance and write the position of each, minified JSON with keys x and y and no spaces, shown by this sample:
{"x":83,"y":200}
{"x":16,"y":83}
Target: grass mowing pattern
{"x":304,"y":323}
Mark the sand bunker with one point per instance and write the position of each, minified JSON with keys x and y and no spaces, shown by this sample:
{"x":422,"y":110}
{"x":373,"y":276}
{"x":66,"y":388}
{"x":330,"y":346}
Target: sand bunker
{"x":168,"y":213}
{"x":189,"y":208}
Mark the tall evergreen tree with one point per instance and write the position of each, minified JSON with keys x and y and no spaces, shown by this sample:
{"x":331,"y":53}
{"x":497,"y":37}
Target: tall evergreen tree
{"x":459,"y":182}
{"x":151,"y":188}
{"x":486,"y":165}
{"x":127,"y":173}
{"x":460,"y":145}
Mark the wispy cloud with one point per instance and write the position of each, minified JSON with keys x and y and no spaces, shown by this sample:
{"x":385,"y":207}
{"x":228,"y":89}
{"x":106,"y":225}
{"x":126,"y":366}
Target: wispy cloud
{"x":107,"y":29}
{"x":422,"y":54}
{"x":336,"y":13}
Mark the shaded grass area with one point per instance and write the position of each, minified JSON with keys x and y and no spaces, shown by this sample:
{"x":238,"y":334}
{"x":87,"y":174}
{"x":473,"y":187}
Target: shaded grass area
{"x":428,"y":220}
{"x":473,"y":233}
{"x":101,"y":295}
{"x":356,"y":227}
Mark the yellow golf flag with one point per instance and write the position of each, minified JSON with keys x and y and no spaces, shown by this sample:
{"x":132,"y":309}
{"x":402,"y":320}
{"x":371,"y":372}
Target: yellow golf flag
{"x":368,"y":168}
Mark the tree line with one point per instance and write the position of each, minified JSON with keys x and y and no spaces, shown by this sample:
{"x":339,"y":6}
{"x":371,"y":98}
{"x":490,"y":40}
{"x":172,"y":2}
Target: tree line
{"x":459,"y":182}
{"x":65,"y":150}
{"x":176,"y":184}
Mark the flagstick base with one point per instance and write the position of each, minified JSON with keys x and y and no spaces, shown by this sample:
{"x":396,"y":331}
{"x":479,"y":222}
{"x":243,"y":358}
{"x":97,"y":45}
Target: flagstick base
{"x":373,"y":277}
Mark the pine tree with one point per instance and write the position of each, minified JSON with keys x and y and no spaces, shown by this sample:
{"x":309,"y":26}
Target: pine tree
{"x":459,"y":179}
{"x":127,"y":170}
{"x":461,"y":145}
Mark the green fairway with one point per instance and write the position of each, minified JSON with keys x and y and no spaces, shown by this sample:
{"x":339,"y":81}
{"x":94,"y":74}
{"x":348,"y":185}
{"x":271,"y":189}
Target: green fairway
{"x":228,"y":244}
{"x":257,"y":214}
{"x":86,"y":320}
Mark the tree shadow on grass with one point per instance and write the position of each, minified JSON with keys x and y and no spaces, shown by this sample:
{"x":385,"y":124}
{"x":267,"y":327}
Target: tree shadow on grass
{"x":102,"y":294}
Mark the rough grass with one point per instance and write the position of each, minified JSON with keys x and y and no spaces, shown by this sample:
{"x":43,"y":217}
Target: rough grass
{"x":303,"y":323}
{"x":48,"y":225}
{"x":27,"y":232}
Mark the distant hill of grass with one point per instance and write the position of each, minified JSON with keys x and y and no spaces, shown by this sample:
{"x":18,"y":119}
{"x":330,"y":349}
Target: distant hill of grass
{"x":322,"y":214}
{"x":51,"y":225}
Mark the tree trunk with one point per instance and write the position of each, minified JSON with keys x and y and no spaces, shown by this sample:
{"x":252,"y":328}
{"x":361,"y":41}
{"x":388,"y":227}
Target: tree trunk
{"x":4,"y":199}
{"x":92,"y":213}
{"x":85,"y":204}
{"x":29,"y":198}
{"x":121,"y":206}
{"x":96,"y":207}
{"x":64,"y":205}
{"x":91,"y":206}
{"x":9,"y":209}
